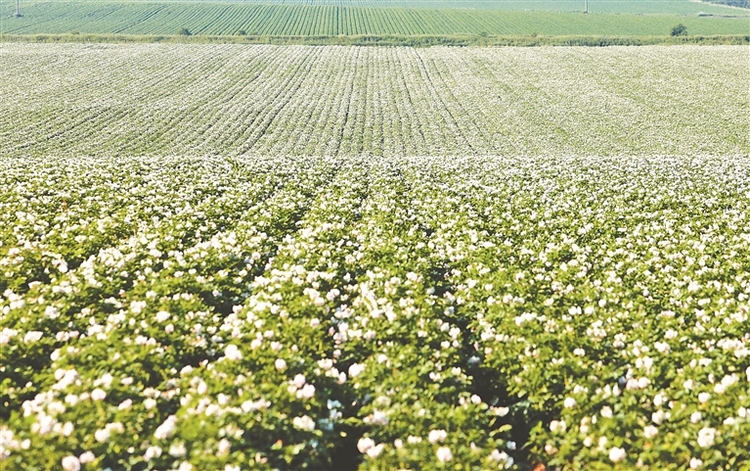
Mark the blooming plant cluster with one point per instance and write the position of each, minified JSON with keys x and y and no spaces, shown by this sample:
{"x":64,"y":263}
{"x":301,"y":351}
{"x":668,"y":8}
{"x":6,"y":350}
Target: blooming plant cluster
{"x":412,"y":313}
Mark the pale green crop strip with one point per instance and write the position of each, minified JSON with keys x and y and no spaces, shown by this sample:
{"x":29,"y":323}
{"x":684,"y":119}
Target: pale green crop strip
{"x":71,"y":100}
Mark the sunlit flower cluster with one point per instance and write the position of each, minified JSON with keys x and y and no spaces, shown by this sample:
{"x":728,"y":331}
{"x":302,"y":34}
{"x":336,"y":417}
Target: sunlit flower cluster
{"x":211,"y":313}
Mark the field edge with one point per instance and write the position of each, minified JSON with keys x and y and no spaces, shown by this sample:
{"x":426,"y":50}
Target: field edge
{"x":385,"y":40}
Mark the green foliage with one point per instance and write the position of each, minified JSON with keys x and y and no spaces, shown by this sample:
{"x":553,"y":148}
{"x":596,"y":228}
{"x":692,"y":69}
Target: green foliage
{"x":240,"y":257}
{"x":679,"y":30}
{"x":381,"y":313}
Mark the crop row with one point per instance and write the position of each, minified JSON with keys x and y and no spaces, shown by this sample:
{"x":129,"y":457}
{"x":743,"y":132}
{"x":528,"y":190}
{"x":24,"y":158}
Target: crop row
{"x":626,"y":6}
{"x":213,"y":18}
{"x":71,"y":100}
{"x":386,"y":313}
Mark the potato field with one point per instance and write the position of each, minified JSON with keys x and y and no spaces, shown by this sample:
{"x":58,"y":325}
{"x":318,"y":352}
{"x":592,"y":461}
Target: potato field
{"x":229,"y":100}
{"x":227,"y":257}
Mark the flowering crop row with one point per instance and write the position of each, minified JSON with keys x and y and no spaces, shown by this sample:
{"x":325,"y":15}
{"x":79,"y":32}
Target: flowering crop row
{"x":387,"y":313}
{"x":126,"y":100}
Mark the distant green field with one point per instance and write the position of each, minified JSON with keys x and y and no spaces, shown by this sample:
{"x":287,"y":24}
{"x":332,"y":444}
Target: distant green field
{"x":402,"y":17}
{"x":683,"y":7}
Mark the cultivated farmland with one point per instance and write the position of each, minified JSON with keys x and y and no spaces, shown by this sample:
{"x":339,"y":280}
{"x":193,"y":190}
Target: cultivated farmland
{"x":233,"y":100}
{"x":598,"y":6}
{"x":256,"y":257}
{"x":628,"y":18}
{"x":402,"y":313}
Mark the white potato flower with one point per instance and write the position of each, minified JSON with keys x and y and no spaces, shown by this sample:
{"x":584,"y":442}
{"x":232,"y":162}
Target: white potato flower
{"x":231,"y":352}
{"x":557,"y":426}
{"x":364,"y":444}
{"x":87,"y":457}
{"x":102,"y":435}
{"x":444,"y":454}
{"x":375,"y":451}
{"x":167,"y":428}
{"x":706,"y":437}
{"x":356,"y":369}
{"x":436,"y":436}
{"x":71,"y":463}
{"x":616,"y":454}
{"x":304,"y":423}
{"x":98,"y":394}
